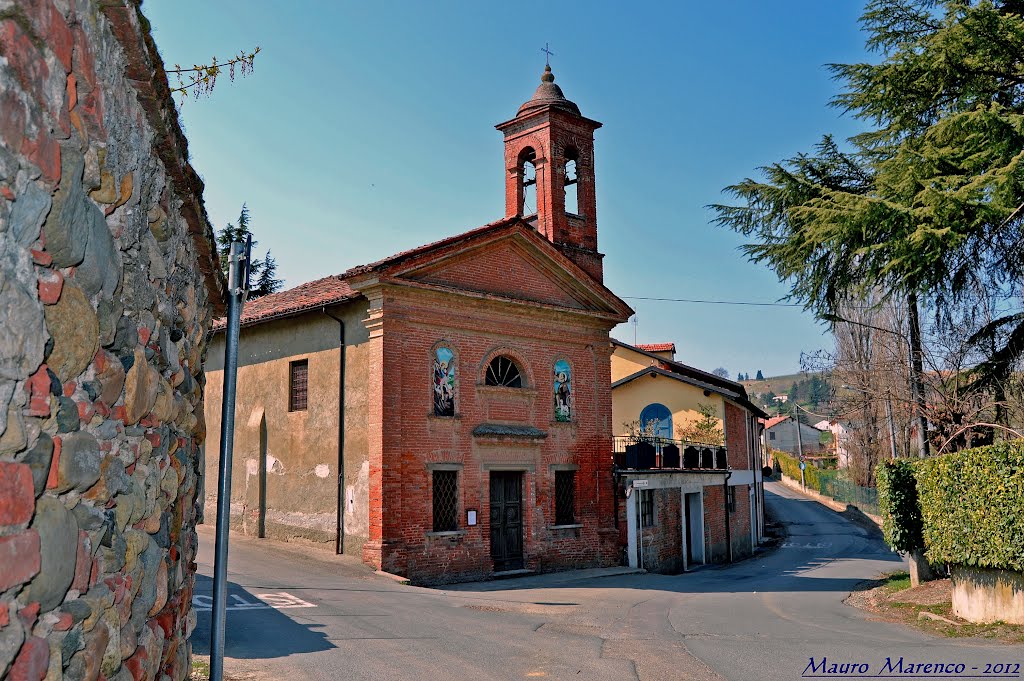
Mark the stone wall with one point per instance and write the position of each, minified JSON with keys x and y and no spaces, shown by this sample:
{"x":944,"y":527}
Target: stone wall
{"x":107,"y":270}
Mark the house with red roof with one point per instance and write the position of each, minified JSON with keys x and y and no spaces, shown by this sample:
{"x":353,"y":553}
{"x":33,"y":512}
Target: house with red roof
{"x":444,"y":413}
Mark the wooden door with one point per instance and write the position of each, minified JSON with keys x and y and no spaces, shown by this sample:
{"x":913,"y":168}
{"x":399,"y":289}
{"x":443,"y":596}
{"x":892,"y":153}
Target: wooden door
{"x":507,"y":520}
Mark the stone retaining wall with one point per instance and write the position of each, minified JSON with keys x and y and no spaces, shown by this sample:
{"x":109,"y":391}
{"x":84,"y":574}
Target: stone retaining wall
{"x":107,"y":273}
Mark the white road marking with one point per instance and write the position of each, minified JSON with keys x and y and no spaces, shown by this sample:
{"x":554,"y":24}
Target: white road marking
{"x":277,"y":601}
{"x":795,"y":545}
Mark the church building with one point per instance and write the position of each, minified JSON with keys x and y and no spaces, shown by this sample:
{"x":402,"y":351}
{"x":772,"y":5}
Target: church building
{"x":443,"y":413}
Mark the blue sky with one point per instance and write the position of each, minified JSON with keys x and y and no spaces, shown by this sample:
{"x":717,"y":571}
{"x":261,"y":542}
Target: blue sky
{"x":367,"y":129}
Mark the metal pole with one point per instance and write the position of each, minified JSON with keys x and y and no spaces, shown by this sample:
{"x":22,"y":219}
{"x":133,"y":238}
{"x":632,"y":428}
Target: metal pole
{"x":799,"y":444}
{"x":237,"y":284}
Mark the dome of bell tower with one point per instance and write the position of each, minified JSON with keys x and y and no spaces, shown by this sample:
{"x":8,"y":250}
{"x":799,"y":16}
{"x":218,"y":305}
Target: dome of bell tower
{"x":548,"y":93}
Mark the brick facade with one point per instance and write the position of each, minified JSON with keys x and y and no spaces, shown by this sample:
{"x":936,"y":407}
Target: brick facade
{"x":663,"y":542}
{"x":406,"y":326}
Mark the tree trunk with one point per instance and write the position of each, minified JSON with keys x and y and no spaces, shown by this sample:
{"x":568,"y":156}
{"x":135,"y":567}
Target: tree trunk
{"x":920,"y":570}
{"x":917,"y":375}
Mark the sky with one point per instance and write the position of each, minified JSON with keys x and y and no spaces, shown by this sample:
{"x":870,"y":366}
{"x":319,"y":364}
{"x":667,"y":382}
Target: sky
{"x":368,"y":128}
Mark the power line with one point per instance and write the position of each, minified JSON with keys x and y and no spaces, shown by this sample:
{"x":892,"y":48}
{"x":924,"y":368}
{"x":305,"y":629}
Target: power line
{"x":713,"y":302}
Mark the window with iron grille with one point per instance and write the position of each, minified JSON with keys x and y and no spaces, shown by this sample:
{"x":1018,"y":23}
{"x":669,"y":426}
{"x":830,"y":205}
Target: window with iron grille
{"x":646,"y":508}
{"x":732,"y":500}
{"x":503,"y":371}
{"x":565,"y":497}
{"x":297,"y":385}
{"x":446,"y":501}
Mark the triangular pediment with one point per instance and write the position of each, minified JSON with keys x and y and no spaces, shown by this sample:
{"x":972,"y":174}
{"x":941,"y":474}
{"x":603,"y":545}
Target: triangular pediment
{"x":518,"y":265}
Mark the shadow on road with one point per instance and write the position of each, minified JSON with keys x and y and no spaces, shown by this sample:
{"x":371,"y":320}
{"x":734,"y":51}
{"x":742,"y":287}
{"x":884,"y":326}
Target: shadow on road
{"x":258,"y":625}
{"x":818,"y":537}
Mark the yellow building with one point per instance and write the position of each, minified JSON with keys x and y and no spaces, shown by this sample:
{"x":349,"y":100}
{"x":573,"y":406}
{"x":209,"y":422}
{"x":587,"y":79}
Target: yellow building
{"x":698,"y":491}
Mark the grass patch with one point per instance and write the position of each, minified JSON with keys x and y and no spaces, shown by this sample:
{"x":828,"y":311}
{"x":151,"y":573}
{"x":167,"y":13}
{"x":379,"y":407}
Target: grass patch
{"x":897,"y":581}
{"x":200,"y":670}
{"x":891,"y":597}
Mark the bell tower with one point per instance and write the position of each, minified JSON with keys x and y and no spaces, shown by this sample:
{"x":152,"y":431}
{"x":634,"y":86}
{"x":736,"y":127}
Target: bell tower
{"x":549,"y":180}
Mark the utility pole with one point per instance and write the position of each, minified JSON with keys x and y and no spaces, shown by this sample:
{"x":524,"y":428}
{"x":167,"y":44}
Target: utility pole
{"x":916,"y":376}
{"x":799,"y":444}
{"x":238,"y":288}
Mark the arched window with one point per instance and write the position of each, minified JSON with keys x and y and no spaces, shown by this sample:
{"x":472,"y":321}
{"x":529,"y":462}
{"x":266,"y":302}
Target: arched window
{"x":444,"y":381}
{"x":528,"y":180}
{"x":563,"y":391}
{"x":504,"y":372}
{"x":571,"y":181}
{"x":656,"y":421}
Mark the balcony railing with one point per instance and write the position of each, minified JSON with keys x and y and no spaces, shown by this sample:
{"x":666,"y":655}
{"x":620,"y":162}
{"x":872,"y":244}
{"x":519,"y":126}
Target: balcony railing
{"x":645,"y":453}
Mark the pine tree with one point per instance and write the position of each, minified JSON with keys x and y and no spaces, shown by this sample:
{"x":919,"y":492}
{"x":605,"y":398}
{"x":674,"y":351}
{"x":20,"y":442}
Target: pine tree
{"x":760,"y":376}
{"x":262,"y":273}
{"x":928,"y":206}
{"x":266,"y":283}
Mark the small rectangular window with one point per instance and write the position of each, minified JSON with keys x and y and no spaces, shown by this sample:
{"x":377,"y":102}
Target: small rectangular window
{"x":771,"y":434}
{"x":565,"y":497}
{"x":646,"y":508}
{"x":298,"y":378}
{"x":446,"y":501}
{"x":732,"y":500}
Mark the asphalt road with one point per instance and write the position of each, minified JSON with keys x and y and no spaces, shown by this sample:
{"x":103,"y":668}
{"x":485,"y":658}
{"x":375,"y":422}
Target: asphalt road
{"x":763,"y":618}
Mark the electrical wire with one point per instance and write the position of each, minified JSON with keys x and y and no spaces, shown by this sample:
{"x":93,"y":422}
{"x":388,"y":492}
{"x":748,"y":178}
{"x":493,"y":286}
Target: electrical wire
{"x":712,"y":302}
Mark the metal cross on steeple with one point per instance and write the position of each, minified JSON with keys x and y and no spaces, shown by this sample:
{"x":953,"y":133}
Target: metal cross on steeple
{"x":547,"y":53}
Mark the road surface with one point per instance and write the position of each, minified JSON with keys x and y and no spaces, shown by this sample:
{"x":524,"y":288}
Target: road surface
{"x":763,"y":618}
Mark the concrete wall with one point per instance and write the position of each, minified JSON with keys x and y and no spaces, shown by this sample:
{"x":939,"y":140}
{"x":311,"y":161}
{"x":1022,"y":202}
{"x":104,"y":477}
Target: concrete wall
{"x":301,"y":447}
{"x":986,"y":595}
{"x":107,"y":268}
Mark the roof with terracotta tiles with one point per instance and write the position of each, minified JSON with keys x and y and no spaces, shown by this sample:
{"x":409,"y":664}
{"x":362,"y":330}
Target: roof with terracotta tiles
{"x":774,"y":421}
{"x":398,"y":258}
{"x":336,"y":289}
{"x":658,"y":347}
{"x":327,"y":291}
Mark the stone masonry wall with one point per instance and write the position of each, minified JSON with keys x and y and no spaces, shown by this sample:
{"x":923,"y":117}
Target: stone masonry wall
{"x":107,"y":273}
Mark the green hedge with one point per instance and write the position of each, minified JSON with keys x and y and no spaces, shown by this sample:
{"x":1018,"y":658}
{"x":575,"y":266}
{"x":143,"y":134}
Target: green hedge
{"x":791,"y":469}
{"x":831,"y":483}
{"x":898,"y":501}
{"x":972,"y":504}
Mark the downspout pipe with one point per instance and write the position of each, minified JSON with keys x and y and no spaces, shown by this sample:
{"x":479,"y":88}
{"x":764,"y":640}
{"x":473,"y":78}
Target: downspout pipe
{"x":339,"y":537}
{"x":728,"y":529}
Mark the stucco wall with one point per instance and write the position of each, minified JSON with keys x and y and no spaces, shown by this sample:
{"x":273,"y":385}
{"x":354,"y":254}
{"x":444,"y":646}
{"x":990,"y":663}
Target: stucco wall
{"x":683,"y":400}
{"x":106,"y":272}
{"x":785,"y":437}
{"x":626,"y":362}
{"x":301,"y":452}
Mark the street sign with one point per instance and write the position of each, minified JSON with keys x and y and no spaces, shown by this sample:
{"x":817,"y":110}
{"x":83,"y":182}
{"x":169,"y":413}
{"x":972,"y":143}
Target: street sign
{"x":803,"y":465}
{"x":637,"y":484}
